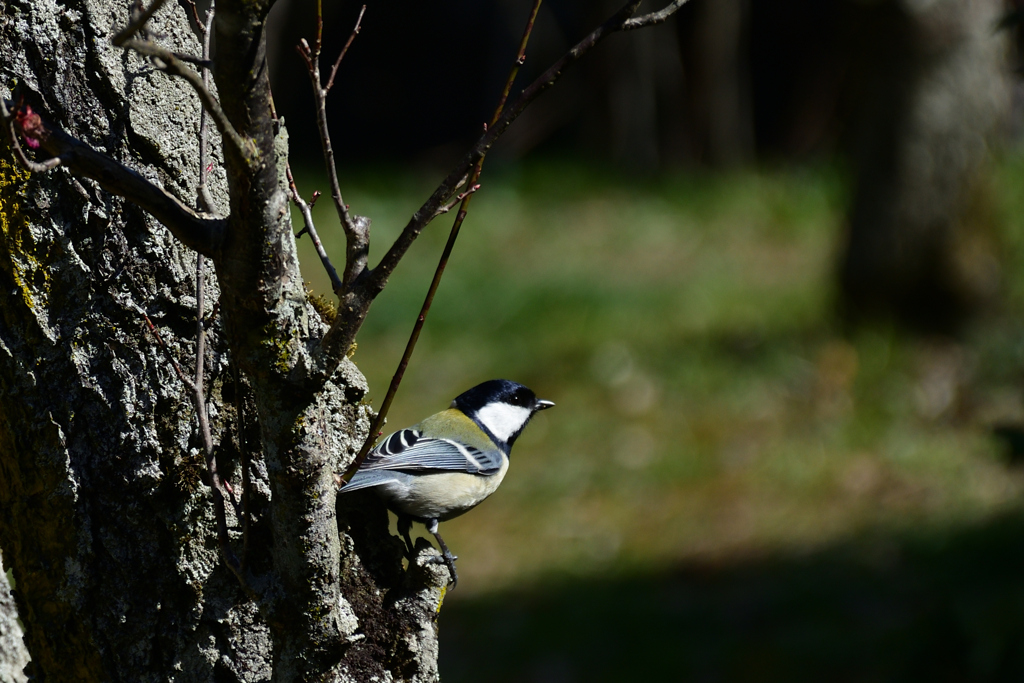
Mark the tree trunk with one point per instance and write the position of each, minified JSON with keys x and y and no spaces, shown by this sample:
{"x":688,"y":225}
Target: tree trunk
{"x":13,"y":655}
{"x":917,"y":249}
{"x":107,"y":518}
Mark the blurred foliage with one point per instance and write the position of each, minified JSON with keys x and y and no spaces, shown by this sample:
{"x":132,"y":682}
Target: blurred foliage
{"x":729,"y":482}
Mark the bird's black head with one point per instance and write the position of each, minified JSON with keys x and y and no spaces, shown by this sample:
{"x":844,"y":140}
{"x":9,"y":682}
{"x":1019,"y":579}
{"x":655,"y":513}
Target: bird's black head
{"x":501,"y":407}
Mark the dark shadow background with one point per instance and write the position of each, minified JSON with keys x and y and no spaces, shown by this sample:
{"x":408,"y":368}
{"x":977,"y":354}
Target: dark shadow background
{"x":424,"y":76}
{"x":942,"y":606}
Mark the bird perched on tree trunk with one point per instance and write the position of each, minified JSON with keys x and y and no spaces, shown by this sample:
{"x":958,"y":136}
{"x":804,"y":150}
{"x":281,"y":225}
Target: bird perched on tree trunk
{"x":451,"y":461}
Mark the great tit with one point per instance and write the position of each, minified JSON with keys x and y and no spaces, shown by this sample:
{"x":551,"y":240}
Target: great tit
{"x":450,"y":462}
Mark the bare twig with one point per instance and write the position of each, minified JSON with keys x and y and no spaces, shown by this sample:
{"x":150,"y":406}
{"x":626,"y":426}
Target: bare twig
{"x":195,"y":61}
{"x":195,"y":15}
{"x":654,"y":17}
{"x":205,"y":234}
{"x":205,"y":199}
{"x":465,"y":198}
{"x":357,"y":231}
{"x":308,"y":227}
{"x":204,"y":428}
{"x":220,"y":489}
{"x":458,"y":200}
{"x":344,"y":50}
{"x":198,"y":392}
{"x":166,"y":349}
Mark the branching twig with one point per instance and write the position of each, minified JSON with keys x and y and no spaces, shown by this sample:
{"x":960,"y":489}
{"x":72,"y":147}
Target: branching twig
{"x":465,"y":198}
{"x":205,"y":234}
{"x":166,"y":349}
{"x":218,"y":487}
{"x":357,"y":230}
{"x":199,"y":393}
{"x":308,"y":227}
{"x":458,"y":200}
{"x":172,"y":63}
{"x":654,"y":17}
{"x":344,"y":50}
{"x":205,"y":200}
{"x":215,"y":484}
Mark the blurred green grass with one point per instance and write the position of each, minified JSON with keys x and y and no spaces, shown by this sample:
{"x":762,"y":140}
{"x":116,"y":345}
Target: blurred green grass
{"x":710,"y":409}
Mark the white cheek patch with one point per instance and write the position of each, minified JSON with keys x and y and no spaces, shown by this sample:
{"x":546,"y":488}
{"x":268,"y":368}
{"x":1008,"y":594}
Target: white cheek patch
{"x":502,"y":419}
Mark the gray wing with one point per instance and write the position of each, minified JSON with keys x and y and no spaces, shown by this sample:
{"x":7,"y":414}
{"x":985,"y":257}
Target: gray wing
{"x":408,"y":450}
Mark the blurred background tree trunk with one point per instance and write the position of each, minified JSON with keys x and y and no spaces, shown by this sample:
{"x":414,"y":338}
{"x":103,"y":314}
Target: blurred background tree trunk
{"x":934,"y":92}
{"x":718,"y":88}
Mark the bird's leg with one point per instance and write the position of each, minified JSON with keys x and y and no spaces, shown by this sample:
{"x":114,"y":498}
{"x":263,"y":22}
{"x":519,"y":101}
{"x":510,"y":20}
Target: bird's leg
{"x":449,"y":559}
{"x":404,"y":524}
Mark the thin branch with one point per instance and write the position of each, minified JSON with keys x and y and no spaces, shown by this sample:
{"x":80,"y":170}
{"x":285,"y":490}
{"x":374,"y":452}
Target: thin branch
{"x":357,"y":230}
{"x":654,"y":17}
{"x":165,"y":348}
{"x":458,"y":200}
{"x":319,"y":28}
{"x":308,"y":227}
{"x":344,"y":50}
{"x":421,"y":319}
{"x":218,"y":486}
{"x":197,"y":390}
{"x":195,"y":15}
{"x":215,"y":483}
{"x":243,"y":449}
{"x":205,"y":199}
{"x":306,"y":209}
{"x":167,"y":61}
{"x":194,"y":61}
{"x":203,"y":233}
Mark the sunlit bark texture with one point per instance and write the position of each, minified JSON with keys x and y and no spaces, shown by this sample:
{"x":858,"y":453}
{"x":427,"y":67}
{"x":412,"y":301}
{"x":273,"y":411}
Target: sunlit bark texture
{"x":107,"y":519}
{"x":935,"y":91}
{"x":13,"y":655}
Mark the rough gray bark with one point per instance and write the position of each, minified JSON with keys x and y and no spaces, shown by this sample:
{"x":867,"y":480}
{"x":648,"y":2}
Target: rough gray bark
{"x":107,"y":524}
{"x":13,"y":655}
{"x":917,"y":248}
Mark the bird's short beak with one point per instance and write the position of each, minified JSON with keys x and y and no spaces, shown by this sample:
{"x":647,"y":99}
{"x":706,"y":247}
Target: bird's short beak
{"x":541,"y":404}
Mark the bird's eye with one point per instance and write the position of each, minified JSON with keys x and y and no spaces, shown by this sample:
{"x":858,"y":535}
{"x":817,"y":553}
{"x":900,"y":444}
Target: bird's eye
{"x":522,"y":398}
